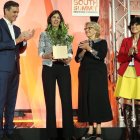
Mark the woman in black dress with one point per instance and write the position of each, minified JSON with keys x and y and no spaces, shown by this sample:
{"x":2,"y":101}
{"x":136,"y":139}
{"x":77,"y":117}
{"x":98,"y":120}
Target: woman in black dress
{"x":93,"y":102}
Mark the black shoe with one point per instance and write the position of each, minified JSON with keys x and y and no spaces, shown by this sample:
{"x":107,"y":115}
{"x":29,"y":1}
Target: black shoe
{"x":69,"y":138}
{"x":2,"y":137}
{"x":12,"y":137}
{"x":138,"y":130}
{"x":52,"y":139}
{"x":88,"y":136}
{"x":99,"y":137}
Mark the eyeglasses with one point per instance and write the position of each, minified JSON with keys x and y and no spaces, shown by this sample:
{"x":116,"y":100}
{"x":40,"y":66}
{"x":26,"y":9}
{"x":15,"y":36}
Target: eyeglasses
{"x":88,"y":28}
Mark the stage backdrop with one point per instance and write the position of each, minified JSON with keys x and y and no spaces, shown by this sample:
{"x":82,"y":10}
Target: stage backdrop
{"x":33,"y":15}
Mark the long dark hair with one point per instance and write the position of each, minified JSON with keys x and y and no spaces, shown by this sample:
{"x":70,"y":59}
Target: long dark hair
{"x":53,"y":13}
{"x":57,"y":36}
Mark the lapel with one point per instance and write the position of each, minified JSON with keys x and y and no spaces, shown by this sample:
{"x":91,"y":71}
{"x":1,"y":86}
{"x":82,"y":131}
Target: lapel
{"x":16,"y":34}
{"x":5,"y":26}
{"x":17,"y":31}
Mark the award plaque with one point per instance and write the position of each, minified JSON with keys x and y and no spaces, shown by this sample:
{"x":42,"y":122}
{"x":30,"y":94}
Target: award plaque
{"x":60,"y":52}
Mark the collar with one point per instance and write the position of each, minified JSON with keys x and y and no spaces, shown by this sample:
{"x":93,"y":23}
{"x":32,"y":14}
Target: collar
{"x":7,"y":21}
{"x":96,"y":40}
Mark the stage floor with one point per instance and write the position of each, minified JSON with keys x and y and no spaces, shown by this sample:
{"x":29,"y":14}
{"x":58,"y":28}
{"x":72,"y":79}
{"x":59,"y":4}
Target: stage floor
{"x":26,"y":130}
{"x":41,"y":133}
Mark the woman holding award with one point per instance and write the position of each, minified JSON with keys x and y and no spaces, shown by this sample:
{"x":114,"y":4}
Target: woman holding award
{"x":56,"y":34}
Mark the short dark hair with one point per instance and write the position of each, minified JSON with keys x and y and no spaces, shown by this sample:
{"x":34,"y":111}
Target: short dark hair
{"x":134,"y":20}
{"x":9,"y":4}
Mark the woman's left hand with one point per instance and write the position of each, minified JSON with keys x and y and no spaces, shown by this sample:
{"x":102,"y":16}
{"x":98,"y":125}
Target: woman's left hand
{"x":66,"y":61}
{"x":135,"y":50}
{"x":85,"y":46}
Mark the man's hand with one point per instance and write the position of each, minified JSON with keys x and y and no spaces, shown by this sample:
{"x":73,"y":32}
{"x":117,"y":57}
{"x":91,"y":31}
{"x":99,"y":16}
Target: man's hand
{"x":28,"y":34}
{"x":25,"y":35}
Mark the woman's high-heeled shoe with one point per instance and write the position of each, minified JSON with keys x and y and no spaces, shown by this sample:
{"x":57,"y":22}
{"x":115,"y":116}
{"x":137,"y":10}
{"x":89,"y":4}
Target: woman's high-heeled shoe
{"x":87,"y":136}
{"x":99,"y":132}
{"x":99,"y":137}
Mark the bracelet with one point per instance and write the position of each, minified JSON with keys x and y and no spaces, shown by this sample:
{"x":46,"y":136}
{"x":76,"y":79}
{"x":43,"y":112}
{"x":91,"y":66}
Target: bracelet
{"x":94,"y":52}
{"x":91,"y":51}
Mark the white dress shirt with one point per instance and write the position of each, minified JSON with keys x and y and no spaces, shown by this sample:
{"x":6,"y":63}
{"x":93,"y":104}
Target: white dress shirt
{"x":11,"y":29}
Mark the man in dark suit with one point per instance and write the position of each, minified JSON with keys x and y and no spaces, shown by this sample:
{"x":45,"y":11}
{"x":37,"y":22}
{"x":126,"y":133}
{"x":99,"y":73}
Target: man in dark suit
{"x":12,"y":43}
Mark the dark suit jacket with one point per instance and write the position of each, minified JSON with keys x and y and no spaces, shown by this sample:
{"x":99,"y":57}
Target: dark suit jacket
{"x":9,"y":52}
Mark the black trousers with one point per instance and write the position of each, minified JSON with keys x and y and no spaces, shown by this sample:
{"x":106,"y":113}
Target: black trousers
{"x":61,"y":74}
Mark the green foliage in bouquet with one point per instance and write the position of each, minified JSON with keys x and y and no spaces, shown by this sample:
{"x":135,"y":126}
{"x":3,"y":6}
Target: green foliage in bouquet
{"x":60,"y":36}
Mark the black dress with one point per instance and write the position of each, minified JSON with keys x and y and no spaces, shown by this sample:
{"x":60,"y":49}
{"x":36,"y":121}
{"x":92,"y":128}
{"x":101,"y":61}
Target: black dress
{"x":93,"y":99}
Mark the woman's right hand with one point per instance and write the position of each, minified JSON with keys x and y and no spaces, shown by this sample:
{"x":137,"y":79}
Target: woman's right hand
{"x":131,"y":51}
{"x":85,"y":45}
{"x":47,"y":56}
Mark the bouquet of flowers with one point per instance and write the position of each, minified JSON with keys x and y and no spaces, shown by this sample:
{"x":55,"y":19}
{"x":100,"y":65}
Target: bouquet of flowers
{"x":60,"y":36}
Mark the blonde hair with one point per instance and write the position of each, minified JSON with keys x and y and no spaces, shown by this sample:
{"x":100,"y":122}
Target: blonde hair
{"x":95,"y":26}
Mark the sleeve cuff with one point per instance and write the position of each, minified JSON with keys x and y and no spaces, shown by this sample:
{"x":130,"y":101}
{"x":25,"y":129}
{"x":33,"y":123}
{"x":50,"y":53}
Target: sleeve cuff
{"x":70,"y":55}
{"x":41,"y":54}
{"x":24,"y":43}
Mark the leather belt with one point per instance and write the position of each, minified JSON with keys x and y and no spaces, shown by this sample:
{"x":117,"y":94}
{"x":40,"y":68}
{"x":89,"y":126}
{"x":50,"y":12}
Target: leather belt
{"x":58,"y":62}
